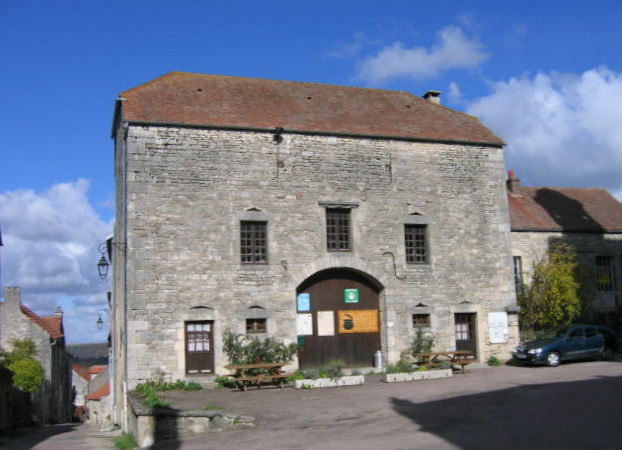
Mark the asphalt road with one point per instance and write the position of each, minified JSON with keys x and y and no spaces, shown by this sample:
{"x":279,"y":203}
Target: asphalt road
{"x":574,"y":406}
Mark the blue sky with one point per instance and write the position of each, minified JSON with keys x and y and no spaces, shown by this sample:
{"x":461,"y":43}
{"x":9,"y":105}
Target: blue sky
{"x":546,"y":76}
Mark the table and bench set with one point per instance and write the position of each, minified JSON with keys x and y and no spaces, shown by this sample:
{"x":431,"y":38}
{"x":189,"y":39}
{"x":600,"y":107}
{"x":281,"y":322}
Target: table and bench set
{"x":273,"y":374}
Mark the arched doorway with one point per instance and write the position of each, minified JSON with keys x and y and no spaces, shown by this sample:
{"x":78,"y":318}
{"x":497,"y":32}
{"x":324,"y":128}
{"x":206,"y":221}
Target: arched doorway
{"x":338,"y":317}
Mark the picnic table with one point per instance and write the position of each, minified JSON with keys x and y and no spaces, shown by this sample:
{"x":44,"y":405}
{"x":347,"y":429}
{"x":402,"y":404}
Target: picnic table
{"x":258,"y":374}
{"x":460,"y":358}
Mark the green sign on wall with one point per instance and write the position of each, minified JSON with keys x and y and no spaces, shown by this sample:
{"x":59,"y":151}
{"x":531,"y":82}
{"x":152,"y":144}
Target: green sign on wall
{"x":351,"y":295}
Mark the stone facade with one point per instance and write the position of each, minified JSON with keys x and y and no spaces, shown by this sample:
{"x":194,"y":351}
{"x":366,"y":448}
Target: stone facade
{"x":192,"y":187}
{"x":52,"y":402}
{"x":589,"y":220}
{"x":183,"y":191}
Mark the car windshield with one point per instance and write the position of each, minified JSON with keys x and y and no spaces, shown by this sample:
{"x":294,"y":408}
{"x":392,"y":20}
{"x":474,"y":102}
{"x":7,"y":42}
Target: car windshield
{"x":554,"y":333}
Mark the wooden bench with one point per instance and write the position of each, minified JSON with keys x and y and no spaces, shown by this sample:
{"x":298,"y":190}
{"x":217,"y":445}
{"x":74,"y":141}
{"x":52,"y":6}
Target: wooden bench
{"x":258,"y":374}
{"x":460,"y":358}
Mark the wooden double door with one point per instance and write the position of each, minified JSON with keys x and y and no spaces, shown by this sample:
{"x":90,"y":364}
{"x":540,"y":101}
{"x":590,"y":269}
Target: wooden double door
{"x":340,"y":308}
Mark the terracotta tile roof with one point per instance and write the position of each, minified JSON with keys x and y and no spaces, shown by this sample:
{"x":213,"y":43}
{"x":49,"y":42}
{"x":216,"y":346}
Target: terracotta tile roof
{"x":94,"y":370}
{"x":82,"y":372}
{"x":564,"y":209}
{"x":99,"y":393}
{"x":52,"y":324}
{"x":234,"y":102}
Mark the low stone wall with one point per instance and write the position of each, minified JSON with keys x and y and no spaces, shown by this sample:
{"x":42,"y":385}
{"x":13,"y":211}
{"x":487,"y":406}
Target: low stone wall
{"x":151,"y":425}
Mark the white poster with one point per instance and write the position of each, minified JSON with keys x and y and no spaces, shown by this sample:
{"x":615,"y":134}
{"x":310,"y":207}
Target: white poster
{"x":304,"y":324}
{"x":498,"y":327}
{"x":325,"y":323}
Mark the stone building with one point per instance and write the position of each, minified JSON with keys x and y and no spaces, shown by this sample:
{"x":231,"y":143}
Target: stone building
{"x":589,"y":219}
{"x":341,"y":218}
{"x":52,"y":402}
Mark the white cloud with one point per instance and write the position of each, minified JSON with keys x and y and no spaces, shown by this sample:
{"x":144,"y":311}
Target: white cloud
{"x":561,"y":130}
{"x":453,"y":51}
{"x":50,"y":252}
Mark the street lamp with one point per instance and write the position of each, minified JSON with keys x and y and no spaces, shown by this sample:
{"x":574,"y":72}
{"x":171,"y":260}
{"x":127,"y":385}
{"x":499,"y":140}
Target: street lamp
{"x":105,"y":248}
{"x":100,"y":321}
{"x":103,"y":265}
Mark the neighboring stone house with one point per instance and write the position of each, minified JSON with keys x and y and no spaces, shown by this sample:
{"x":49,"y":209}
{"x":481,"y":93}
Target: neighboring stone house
{"x":338,"y":217}
{"x":98,"y":398}
{"x":589,"y":219}
{"x":52,"y":402}
{"x":80,"y":378}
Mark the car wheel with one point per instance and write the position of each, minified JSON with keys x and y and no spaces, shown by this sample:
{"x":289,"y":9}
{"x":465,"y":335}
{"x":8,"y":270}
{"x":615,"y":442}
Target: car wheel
{"x":607,"y":354}
{"x":553,"y":359}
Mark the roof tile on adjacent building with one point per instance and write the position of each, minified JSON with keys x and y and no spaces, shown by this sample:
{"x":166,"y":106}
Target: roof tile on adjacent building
{"x":564,"y":209}
{"x":52,"y":324}
{"x":99,"y":393}
{"x":234,"y":102}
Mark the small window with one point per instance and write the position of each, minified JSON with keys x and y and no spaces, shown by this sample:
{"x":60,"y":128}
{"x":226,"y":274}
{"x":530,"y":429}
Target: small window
{"x":605,"y":273}
{"x":416,"y":244}
{"x":421,"y":320}
{"x":254,"y":242}
{"x":338,"y":230}
{"x":255,"y":326}
{"x":518,"y":272}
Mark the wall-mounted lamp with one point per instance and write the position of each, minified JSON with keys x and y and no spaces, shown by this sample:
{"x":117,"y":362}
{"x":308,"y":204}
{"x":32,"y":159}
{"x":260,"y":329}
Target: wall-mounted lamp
{"x":103,"y":265}
{"x":100,"y":321}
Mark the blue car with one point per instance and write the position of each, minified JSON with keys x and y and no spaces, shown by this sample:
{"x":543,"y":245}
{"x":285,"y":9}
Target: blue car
{"x":567,"y":343}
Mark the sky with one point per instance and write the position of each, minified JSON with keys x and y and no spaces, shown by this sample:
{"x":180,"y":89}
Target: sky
{"x":545,"y":76}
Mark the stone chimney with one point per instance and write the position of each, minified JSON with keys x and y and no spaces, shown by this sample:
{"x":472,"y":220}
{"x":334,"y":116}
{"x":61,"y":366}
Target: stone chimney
{"x":513,"y":184}
{"x":12,"y":300}
{"x":58,"y":312}
{"x":433,"y":97}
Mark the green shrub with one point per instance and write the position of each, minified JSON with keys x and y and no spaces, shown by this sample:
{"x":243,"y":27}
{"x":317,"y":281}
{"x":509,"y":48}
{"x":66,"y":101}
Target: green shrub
{"x":444,"y":365}
{"x":225,"y":382}
{"x":493,"y":361}
{"x":243,"y":349}
{"x":334,"y":369}
{"x":125,"y":442}
{"x":28,"y":373}
{"x":421,"y":343}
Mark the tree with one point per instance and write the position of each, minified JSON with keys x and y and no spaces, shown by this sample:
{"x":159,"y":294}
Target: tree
{"x":28,"y":373}
{"x":553,"y":296}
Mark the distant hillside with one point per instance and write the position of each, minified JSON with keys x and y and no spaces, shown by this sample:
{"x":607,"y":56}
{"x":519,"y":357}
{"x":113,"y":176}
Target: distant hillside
{"x":88,"y":354}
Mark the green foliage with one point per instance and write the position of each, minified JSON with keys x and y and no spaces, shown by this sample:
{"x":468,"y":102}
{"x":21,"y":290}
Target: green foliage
{"x":443,"y":365}
{"x":422,"y":343}
{"x":334,"y":369}
{"x":150,"y":389}
{"x":225,"y":382}
{"x":553,"y":296}
{"x":493,"y":361}
{"x":27,"y":371}
{"x":125,"y":442}
{"x":404,"y":365}
{"x":28,"y":374}
{"x":243,"y":349}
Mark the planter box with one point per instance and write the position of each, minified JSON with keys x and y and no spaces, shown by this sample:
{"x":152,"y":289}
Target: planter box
{"x":414,"y":376}
{"x":351,"y":380}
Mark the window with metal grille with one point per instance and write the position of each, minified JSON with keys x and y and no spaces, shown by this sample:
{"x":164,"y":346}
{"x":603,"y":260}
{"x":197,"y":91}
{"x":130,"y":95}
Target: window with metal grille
{"x":421,"y":320}
{"x":255,"y":326}
{"x":416,"y":244}
{"x":338,"y":230}
{"x":254,"y":242}
{"x":605,"y":273}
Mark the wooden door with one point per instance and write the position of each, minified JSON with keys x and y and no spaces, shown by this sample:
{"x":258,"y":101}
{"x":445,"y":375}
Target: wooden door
{"x":199,"y":348}
{"x":343,"y":307}
{"x":466,"y":332}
